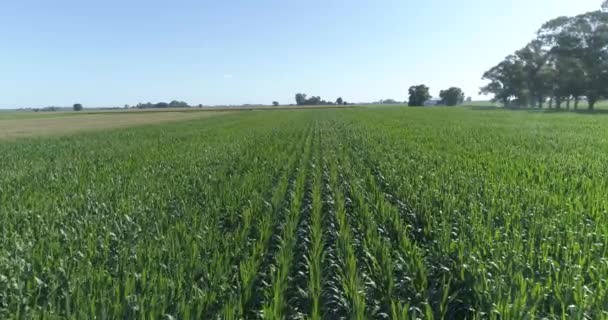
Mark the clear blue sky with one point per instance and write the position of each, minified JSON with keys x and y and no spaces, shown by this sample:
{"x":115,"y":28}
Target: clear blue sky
{"x":109,"y":53}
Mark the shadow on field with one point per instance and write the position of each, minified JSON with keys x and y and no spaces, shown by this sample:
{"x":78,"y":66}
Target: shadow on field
{"x":485,"y":108}
{"x":581,"y":111}
{"x":544,"y":110}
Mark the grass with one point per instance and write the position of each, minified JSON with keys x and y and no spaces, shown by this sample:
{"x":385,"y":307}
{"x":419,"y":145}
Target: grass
{"x":360,"y":213}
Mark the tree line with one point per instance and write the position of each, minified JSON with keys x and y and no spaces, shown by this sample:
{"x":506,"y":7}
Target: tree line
{"x":420,"y":94}
{"x":567,"y":62}
{"x":303,"y":100}
{"x":172,"y":104}
{"x":147,"y":105}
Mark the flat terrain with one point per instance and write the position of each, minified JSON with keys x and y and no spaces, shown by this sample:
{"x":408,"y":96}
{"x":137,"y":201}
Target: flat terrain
{"x":364,"y":213}
{"x":17,"y":125}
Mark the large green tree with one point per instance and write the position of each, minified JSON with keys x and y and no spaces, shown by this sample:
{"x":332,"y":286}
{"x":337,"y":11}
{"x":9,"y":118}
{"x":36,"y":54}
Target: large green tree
{"x":579,"y":49}
{"x":418,"y":95}
{"x":452,"y":96}
{"x":567,"y":61}
{"x":507,"y":82}
{"x":538,"y":76}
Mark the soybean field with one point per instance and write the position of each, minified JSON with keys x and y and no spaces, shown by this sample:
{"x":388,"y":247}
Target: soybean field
{"x":362,"y":213}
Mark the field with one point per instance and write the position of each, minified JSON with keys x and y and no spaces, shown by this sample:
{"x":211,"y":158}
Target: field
{"x":363,"y":213}
{"x":21,"y":124}
{"x":30,"y":124}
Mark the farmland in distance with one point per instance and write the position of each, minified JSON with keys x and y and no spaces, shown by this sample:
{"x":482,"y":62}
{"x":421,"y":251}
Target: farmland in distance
{"x":363,"y":213}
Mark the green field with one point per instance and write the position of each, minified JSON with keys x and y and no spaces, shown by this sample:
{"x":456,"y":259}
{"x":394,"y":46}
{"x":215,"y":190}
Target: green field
{"x":364,"y":213}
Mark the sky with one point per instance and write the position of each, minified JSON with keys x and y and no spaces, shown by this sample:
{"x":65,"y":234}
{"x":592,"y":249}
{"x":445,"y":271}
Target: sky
{"x":215,"y":52}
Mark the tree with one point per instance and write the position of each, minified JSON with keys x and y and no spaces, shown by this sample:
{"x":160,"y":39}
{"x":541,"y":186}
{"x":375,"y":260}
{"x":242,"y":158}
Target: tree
{"x":178,"y":104}
{"x":388,"y":101}
{"x":275,"y":103}
{"x":77,"y":107}
{"x":538,"y":78}
{"x":507,"y":81}
{"x":339,"y":101}
{"x":579,"y":49}
{"x":451,"y":96}
{"x":469,"y":99}
{"x":565,"y":74}
{"x":418,"y":95}
{"x":300,"y":99}
{"x":567,"y":61}
{"x":313,"y":101}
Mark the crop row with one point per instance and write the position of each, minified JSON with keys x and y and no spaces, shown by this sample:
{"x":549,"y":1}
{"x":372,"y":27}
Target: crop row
{"x":318,"y":214}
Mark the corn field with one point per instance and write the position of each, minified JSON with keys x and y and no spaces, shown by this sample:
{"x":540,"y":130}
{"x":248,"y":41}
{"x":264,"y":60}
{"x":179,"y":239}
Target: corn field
{"x":362,"y":213}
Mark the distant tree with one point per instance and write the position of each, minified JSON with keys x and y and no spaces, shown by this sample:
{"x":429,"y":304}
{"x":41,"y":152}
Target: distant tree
{"x":388,"y":101}
{"x":339,"y":101}
{"x":451,"y":96}
{"x":469,"y":99}
{"x":605,"y":5}
{"x":345,"y":103}
{"x":300,"y":99}
{"x":275,"y":103}
{"x":77,"y":107}
{"x":313,"y":101}
{"x":418,"y":95}
{"x":178,"y":104}
{"x":126,"y":106}
{"x":172,"y":104}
